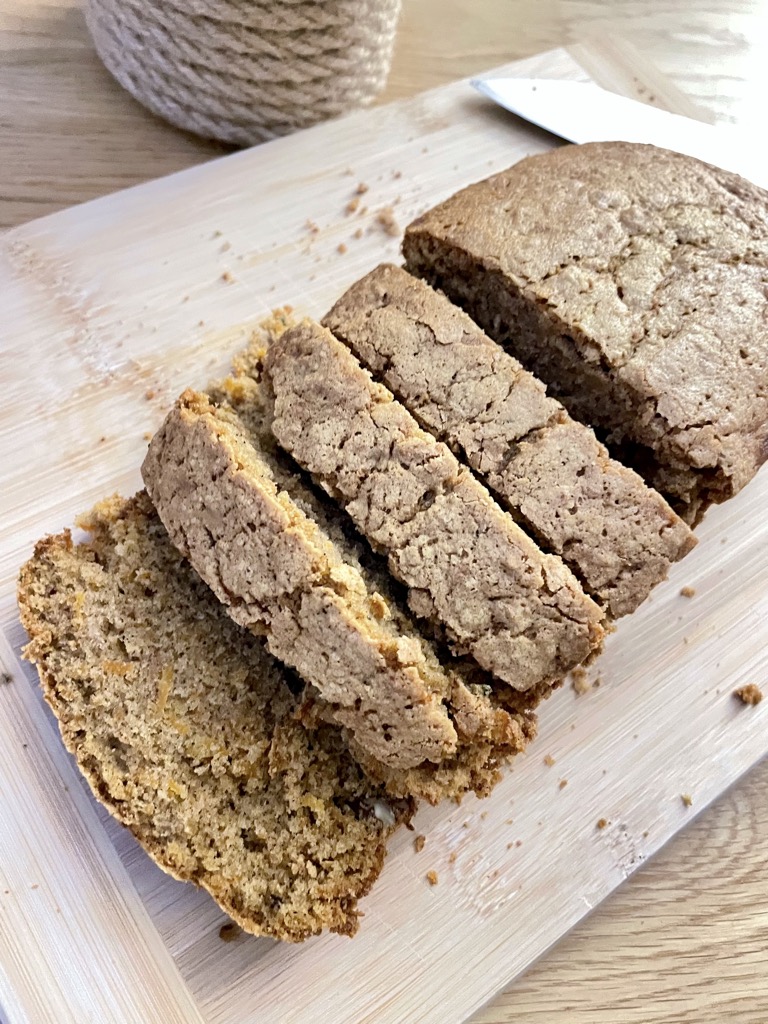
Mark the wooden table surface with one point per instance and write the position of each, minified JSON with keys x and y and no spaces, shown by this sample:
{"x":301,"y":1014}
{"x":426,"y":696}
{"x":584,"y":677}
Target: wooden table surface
{"x":686,"y":939}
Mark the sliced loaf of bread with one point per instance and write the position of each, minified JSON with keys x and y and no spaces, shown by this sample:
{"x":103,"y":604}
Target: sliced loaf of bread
{"x":276,"y":571}
{"x":618,"y":535}
{"x":519,"y":613}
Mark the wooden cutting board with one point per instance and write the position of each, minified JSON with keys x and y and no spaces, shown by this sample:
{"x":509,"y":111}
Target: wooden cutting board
{"x":108,"y":311}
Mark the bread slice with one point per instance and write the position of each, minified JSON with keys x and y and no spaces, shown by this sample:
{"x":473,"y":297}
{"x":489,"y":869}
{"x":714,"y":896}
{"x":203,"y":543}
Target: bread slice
{"x":632,"y":281}
{"x":276,"y":571}
{"x":521,"y":614}
{"x":186,"y":729}
{"x":492,"y":724}
{"x":617,"y":535}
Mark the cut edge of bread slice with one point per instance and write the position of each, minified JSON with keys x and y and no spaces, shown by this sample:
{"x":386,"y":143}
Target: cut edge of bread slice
{"x":187,"y":731}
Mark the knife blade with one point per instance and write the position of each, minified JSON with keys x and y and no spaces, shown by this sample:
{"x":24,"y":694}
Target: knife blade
{"x":585,"y":112}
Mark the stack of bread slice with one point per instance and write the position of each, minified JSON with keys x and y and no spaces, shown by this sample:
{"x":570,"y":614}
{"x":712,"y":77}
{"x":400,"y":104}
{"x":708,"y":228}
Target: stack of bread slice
{"x":364,"y":558}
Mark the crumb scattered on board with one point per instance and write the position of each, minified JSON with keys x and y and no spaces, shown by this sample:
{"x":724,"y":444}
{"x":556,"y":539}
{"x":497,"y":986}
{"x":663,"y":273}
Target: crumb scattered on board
{"x":229,"y":932}
{"x":352,"y":206}
{"x":385,"y":218}
{"x":579,"y":682}
{"x":341,"y":248}
{"x":562,"y":783}
{"x":602,"y":823}
{"x":549,"y":760}
{"x":418,"y":843}
{"x":687,"y":592}
{"x":432,"y":877}
{"x":228,"y":277}
{"x":5,"y":678}
{"x":278,"y":321}
{"x":362,"y":188}
{"x":687,"y":799}
{"x":452,"y":858}
{"x":749,"y":694}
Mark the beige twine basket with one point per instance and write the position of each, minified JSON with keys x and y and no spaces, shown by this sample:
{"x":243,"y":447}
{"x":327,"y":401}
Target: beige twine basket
{"x":244,"y":71}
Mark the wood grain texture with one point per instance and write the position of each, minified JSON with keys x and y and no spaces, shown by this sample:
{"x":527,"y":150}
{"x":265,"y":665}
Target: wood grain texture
{"x":69,"y":134}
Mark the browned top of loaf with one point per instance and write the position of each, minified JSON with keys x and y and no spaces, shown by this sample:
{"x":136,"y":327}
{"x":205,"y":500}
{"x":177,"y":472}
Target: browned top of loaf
{"x":185,"y":729}
{"x":521,"y":614}
{"x":273,"y":567}
{"x":618,"y":535}
{"x":492,"y":724}
{"x":656,"y":265}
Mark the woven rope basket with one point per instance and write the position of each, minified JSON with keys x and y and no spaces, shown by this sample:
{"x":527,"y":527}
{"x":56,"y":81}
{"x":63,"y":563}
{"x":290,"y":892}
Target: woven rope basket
{"x":244,"y":71}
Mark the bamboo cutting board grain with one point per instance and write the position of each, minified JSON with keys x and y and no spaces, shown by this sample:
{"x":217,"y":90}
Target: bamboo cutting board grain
{"x":111,"y":309}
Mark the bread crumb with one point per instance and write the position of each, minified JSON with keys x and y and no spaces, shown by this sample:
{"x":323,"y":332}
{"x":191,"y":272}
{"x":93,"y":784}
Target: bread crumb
{"x":397,"y":174}
{"x":312,"y":228}
{"x":279,"y":320}
{"x":484,"y":815}
{"x":510,"y":845}
{"x":147,"y":435}
{"x":562,"y":783}
{"x":226,"y":247}
{"x":518,"y":842}
{"x":602,"y":823}
{"x":386,"y":219}
{"x":579,"y":682}
{"x":452,"y":858}
{"x":687,"y":799}
{"x":361,"y":189}
{"x":749,"y":694}
{"x":149,"y":394}
{"x":228,"y":277}
{"x":217,"y":233}
{"x":229,"y":932}
{"x":687,"y":592}
{"x":5,"y":678}
{"x":646,"y":834}
{"x":432,"y":877}
{"x":418,"y":843}
{"x":358,"y":233}
{"x":352,"y":206}
{"x":549,"y":760}
{"x":510,"y":821}
{"x":465,"y":825}
{"x":35,"y":886}
{"x":341,"y":248}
